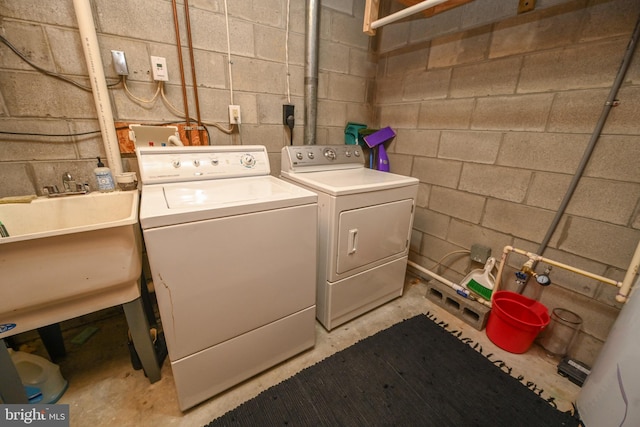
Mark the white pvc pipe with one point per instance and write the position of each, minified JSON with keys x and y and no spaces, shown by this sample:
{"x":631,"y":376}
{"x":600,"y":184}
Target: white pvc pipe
{"x":539,"y":258}
{"x":632,"y":271}
{"x":174,"y":140}
{"x":459,"y":289}
{"x":408,"y":11}
{"x":98,"y":83}
{"x":625,"y":285}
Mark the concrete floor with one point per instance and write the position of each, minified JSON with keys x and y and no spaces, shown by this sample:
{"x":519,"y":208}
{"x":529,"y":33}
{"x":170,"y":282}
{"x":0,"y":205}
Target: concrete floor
{"x":105,"y":390}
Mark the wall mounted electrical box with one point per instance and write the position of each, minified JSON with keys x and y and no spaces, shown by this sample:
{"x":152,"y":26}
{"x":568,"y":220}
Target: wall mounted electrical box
{"x":119,"y":62}
{"x":234,"y":114}
{"x":288,"y":115}
{"x":480,"y":253}
{"x":159,"y":69}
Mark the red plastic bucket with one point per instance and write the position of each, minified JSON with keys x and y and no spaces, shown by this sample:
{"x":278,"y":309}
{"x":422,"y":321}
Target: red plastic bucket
{"x":515,"y":321}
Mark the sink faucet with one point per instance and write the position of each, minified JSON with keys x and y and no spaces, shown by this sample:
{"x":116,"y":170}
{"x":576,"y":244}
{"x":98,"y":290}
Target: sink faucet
{"x":70,"y":187}
{"x":68,"y":182}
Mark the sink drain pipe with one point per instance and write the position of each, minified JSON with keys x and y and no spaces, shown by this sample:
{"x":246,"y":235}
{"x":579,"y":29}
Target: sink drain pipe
{"x":98,"y":83}
{"x":311,"y":71}
{"x":609,"y":104}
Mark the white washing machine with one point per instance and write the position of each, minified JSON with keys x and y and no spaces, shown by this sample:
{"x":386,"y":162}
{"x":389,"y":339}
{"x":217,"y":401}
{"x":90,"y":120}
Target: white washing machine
{"x":365,"y":219}
{"x":232,"y":252}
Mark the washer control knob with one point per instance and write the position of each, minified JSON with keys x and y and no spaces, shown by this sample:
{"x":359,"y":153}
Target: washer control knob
{"x":176,"y":163}
{"x":356,"y":153}
{"x":215,"y":162}
{"x":299,"y":156}
{"x":347,"y":153}
{"x":196,"y":163}
{"x":247,"y":160}
{"x":330,"y":154}
{"x":311,"y":155}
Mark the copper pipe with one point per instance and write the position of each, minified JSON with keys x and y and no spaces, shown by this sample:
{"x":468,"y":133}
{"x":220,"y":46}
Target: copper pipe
{"x":184,"y":86}
{"x":193,"y":64}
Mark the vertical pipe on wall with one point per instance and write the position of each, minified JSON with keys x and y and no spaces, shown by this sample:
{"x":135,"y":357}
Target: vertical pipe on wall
{"x":185,"y":101}
{"x":609,"y":104}
{"x":193,"y":62}
{"x":311,"y":70}
{"x":98,"y":83}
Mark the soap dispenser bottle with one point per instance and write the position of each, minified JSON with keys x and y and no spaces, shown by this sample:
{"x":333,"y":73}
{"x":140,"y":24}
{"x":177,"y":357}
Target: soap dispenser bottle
{"x":104,"y":177}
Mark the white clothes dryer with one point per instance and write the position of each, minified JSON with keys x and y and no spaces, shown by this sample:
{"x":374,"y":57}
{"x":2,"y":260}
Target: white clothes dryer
{"x":232,"y":252}
{"x":365,"y":219}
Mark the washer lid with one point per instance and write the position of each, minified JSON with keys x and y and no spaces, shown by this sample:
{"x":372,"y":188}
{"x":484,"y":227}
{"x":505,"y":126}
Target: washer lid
{"x":350,"y":181}
{"x":181,"y":202}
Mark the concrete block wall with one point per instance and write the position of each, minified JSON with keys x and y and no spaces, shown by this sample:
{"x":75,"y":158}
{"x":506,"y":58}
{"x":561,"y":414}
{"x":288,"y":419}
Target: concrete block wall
{"x":493,"y":114}
{"x":492,"y":111}
{"x":35,"y":108}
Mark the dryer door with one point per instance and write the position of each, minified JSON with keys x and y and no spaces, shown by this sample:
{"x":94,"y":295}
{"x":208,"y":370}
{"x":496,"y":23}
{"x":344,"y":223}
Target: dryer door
{"x":373,"y":234}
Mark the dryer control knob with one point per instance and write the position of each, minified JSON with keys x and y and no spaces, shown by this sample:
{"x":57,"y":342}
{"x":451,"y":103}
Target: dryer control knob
{"x":176,"y":163}
{"x":330,"y":154}
{"x":299,"y":156}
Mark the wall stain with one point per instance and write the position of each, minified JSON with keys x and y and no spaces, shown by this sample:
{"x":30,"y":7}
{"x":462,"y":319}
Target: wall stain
{"x":564,"y":234}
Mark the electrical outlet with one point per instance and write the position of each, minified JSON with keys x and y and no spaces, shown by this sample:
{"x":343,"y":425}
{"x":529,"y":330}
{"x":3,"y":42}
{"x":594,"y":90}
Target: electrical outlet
{"x":119,"y":62}
{"x":480,"y":253}
{"x":159,"y":69}
{"x":288,"y":115}
{"x":234,"y":114}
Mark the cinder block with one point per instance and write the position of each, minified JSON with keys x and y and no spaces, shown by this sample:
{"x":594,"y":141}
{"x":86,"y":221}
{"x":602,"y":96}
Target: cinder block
{"x":518,"y":220}
{"x":347,"y":88}
{"x":498,"y":77}
{"x":495,"y":181}
{"x":472,"y":312}
{"x":512,"y":113}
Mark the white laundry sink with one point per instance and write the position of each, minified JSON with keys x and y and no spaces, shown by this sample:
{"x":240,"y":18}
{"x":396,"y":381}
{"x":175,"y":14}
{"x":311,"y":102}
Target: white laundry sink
{"x":67,"y":256}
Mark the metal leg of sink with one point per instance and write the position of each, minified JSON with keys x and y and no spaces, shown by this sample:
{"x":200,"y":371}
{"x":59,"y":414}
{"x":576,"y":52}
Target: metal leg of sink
{"x":51,"y":337}
{"x":11,"y":389}
{"x":146,"y":301}
{"x":139,"y":328}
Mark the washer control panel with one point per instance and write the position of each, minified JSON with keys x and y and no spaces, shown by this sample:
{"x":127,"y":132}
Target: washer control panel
{"x":321,"y":157}
{"x":194,"y":163}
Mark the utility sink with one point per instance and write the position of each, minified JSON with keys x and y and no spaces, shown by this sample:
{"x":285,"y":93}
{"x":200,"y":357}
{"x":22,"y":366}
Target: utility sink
{"x":66,"y":257}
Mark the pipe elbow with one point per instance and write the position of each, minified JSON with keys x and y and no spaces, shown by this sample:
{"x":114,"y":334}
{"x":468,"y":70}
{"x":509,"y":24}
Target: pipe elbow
{"x":174,"y":140}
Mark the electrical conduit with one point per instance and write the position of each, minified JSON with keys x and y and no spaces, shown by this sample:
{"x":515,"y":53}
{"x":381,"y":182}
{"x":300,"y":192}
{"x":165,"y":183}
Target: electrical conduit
{"x":610,"y":103}
{"x":311,"y":71}
{"x":91,"y":49}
